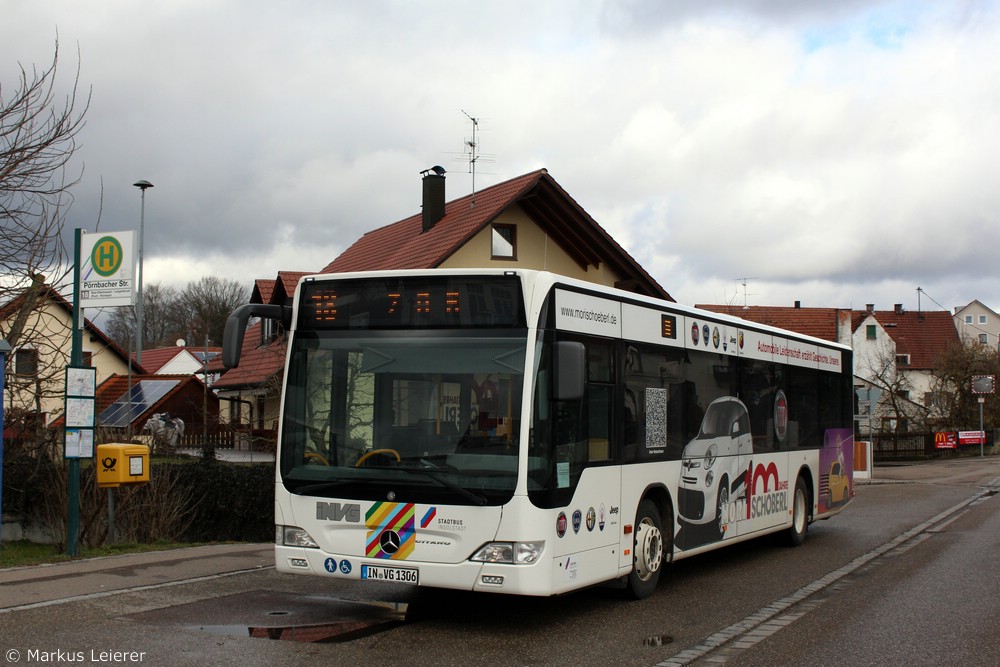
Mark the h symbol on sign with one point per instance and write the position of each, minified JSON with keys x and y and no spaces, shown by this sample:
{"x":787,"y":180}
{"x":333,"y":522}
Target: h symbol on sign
{"x":106,"y":254}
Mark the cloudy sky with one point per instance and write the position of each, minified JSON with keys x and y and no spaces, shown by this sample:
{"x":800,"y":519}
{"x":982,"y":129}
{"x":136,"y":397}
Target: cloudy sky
{"x":836,"y":153}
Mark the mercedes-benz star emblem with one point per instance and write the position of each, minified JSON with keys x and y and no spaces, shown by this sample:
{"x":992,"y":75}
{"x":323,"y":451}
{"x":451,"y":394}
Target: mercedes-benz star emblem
{"x":389,"y":542}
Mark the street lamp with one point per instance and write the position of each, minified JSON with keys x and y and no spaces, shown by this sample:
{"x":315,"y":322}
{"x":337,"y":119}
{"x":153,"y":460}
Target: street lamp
{"x":142,"y":185}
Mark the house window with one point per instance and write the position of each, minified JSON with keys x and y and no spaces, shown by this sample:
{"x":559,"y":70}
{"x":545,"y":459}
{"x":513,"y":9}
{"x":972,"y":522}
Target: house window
{"x":260,"y":412}
{"x":902,"y":360}
{"x":968,"y":319}
{"x":88,"y":359}
{"x":26,"y":361}
{"x":982,"y":319}
{"x":894,"y":425}
{"x":504,"y":242}
{"x":268,"y":330}
{"x":982,"y":338}
{"x":870,"y":332}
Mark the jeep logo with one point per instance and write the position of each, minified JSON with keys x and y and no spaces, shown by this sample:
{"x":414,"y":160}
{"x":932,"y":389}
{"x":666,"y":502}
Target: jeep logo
{"x":336,"y":512}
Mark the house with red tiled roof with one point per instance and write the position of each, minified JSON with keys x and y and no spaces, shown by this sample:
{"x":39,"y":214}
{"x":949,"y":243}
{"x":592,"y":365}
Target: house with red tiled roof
{"x":38,"y":324}
{"x":529,"y":221}
{"x":977,"y":322}
{"x":526,"y":222}
{"x":250,"y":392}
{"x":175,"y":360}
{"x":125,"y":406}
{"x":902,"y":347}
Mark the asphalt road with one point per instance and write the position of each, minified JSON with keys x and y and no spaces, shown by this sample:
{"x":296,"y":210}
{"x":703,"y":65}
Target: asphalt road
{"x":901,"y":577}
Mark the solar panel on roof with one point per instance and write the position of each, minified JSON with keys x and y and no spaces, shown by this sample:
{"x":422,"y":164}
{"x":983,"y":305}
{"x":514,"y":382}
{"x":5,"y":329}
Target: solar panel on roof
{"x":141,"y":397}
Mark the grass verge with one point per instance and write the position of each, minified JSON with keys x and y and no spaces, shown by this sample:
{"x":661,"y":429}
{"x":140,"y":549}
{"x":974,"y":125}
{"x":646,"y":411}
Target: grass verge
{"x":22,"y":553}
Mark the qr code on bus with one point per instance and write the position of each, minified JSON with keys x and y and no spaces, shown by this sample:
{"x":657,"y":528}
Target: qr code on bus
{"x":656,"y":418}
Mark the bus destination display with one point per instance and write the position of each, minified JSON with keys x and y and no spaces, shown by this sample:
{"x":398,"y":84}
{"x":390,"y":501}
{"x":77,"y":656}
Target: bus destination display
{"x":421,"y":302}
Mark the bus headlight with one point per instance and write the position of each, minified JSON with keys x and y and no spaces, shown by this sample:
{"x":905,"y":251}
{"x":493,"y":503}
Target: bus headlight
{"x":512,"y":553}
{"x":293,"y":536}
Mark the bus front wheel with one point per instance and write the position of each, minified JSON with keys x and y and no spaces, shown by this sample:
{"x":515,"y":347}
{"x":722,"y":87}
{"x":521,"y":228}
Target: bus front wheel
{"x":648,"y":551}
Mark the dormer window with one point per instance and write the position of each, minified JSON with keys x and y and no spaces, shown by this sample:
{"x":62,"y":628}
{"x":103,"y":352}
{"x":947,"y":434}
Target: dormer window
{"x":504,"y":242}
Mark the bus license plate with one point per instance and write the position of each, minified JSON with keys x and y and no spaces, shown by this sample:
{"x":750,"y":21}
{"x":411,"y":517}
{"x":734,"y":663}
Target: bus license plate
{"x":382,"y":573}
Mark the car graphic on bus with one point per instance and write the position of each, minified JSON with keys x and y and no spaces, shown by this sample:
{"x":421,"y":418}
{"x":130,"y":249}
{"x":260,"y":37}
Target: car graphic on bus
{"x":838,"y":485}
{"x":711,"y":477}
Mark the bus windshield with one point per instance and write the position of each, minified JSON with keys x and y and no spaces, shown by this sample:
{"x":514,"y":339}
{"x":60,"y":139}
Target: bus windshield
{"x":433,"y":418}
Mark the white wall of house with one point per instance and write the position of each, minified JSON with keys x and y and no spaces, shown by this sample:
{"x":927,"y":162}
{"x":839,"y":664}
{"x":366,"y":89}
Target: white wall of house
{"x":875,"y":362}
{"x":874,"y":349}
{"x":49,"y":331}
{"x":183,"y":363}
{"x":534,"y":250}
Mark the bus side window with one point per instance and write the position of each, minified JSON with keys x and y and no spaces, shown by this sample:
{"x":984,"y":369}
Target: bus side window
{"x":600,"y":390}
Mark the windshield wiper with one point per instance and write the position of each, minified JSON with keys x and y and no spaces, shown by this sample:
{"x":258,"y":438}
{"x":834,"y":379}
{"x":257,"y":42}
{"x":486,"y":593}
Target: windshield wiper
{"x":310,"y":489}
{"x":477,"y":498}
{"x":431,"y":473}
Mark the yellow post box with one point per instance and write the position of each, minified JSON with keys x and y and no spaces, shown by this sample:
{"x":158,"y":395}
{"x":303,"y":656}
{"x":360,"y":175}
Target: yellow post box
{"x":122,"y":465}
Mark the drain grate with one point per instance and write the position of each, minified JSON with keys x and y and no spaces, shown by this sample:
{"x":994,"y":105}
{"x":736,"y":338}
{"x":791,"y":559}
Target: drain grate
{"x":281,"y":616}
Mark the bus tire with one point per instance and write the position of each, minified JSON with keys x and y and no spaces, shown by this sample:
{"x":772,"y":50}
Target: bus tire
{"x":648,"y":551}
{"x":800,"y":514}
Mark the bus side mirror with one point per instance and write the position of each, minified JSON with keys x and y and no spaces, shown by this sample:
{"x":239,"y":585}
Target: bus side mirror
{"x":571,"y":368}
{"x":236,"y":325}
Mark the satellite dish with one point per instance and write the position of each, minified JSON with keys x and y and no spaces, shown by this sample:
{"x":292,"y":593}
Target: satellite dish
{"x":180,"y":342}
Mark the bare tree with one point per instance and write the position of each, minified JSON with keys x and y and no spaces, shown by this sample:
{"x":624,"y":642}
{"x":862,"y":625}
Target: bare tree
{"x":163,"y":319}
{"x":38,"y":137}
{"x":209,"y":302}
{"x":39,"y":126}
{"x":879,"y":367}
{"x":200,"y":309}
{"x":953,"y":385}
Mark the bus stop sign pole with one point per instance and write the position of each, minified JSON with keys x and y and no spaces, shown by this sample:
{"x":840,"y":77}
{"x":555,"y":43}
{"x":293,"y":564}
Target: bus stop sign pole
{"x":4,"y":349}
{"x":76,"y":358}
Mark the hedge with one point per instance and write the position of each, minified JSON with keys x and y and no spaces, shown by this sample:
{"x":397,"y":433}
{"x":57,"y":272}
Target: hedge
{"x":186,"y":501}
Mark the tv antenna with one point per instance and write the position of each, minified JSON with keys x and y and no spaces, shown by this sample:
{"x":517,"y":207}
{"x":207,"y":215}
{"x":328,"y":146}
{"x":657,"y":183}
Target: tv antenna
{"x":470,"y":152}
{"x":743,"y":282}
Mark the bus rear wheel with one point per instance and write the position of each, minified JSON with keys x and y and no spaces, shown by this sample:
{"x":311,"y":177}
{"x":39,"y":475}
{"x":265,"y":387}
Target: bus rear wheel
{"x":800,"y":514}
{"x":648,"y":551}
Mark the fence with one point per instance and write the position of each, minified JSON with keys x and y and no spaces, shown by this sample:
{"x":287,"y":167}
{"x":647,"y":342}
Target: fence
{"x":227,"y":437}
{"x":900,"y":446}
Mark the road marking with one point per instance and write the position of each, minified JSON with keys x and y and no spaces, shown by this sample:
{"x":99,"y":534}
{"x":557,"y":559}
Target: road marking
{"x":739,"y":636}
{"x":133,"y":589}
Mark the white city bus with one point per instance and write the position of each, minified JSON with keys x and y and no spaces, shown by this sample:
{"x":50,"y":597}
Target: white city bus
{"x":523,"y":432}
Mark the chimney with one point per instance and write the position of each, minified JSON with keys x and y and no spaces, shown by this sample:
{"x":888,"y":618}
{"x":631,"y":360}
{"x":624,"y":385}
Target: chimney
{"x":433,"y":203}
{"x":798,"y":304}
{"x":898,"y":308}
{"x":870,"y":308}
